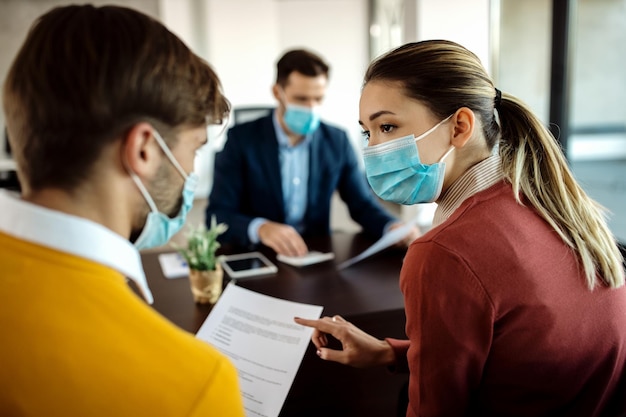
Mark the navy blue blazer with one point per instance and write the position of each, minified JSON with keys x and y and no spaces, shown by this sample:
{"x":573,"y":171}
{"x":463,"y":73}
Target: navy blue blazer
{"x":247,"y":182}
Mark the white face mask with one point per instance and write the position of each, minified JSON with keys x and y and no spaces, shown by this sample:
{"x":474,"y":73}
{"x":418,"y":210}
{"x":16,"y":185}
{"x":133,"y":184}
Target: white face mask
{"x":159,"y":228}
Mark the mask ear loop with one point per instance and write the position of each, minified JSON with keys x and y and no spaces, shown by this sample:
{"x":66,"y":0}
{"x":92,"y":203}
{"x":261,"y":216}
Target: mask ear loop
{"x":429,"y":131}
{"x":445,"y":155}
{"x":224,"y":126}
{"x":144,"y":191}
{"x":169,"y":154}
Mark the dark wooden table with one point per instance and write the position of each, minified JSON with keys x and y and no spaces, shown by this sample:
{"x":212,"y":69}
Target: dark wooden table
{"x":366,"y":294}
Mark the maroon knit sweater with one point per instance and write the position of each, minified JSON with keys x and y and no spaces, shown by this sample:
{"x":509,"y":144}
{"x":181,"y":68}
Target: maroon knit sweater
{"x":501,"y":323}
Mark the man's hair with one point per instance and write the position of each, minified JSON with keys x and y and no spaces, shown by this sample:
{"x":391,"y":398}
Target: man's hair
{"x":302,"y":61}
{"x":85,"y":75}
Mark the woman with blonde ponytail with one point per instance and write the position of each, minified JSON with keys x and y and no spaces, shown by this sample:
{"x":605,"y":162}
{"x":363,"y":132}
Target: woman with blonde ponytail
{"x":515,"y":299}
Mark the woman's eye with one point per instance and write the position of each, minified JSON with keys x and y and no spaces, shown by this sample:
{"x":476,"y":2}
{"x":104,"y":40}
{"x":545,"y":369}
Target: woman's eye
{"x":365,"y":134}
{"x":387,"y":128}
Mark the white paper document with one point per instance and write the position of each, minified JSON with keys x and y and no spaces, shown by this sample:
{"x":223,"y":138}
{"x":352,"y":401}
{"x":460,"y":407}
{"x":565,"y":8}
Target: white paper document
{"x":258,"y":334}
{"x":313,"y":257}
{"x":388,"y":239}
{"x":173,"y":265}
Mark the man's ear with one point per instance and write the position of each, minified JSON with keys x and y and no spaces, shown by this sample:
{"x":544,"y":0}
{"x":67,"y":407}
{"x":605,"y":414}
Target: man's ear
{"x":276,"y":92}
{"x":140,"y":151}
{"x":463,"y":126}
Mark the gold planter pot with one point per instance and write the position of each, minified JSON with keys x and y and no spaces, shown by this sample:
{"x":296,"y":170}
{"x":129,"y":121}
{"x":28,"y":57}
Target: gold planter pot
{"x":206,"y":286}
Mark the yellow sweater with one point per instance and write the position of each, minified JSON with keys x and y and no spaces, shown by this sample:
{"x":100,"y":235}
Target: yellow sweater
{"x":76,"y":341}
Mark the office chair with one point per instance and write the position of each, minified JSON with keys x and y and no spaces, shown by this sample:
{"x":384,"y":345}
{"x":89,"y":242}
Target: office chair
{"x":244,"y":114}
{"x":7,"y":146}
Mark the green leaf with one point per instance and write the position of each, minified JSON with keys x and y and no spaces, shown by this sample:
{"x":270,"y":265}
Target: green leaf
{"x":201,"y":245}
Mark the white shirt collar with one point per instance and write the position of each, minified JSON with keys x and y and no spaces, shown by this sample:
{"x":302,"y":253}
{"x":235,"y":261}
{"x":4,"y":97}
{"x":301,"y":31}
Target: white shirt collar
{"x":71,"y":234}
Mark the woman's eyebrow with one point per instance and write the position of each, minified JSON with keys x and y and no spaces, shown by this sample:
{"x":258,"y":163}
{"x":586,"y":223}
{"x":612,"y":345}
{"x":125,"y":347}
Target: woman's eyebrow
{"x":377,"y":114}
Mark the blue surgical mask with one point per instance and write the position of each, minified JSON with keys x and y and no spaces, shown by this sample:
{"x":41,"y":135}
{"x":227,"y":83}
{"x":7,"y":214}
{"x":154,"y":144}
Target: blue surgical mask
{"x":396,"y":174}
{"x":301,"y":119}
{"x":159,"y":227}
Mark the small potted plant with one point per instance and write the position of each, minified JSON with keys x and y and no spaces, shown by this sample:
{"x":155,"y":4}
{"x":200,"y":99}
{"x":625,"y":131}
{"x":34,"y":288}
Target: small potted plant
{"x":205,"y":271}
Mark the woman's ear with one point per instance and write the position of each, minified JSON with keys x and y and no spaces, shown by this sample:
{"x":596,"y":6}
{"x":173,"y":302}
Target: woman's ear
{"x":463,"y":129}
{"x":140,"y":152}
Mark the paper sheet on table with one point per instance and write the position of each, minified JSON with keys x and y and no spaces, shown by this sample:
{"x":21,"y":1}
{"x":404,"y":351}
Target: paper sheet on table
{"x":173,"y":265}
{"x":388,"y":239}
{"x":258,"y":334}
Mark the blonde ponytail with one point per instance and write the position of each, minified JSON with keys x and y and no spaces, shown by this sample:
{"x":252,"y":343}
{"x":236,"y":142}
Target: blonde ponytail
{"x":534,"y":164}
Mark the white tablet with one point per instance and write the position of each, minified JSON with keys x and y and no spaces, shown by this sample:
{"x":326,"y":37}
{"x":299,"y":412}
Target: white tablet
{"x":248,"y":264}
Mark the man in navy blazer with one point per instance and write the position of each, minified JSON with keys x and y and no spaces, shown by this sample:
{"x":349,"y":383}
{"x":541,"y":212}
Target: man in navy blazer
{"x":275,"y":177}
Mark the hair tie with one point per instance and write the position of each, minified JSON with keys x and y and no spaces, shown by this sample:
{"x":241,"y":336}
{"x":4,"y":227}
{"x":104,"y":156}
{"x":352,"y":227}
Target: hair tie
{"x":498,"y":100}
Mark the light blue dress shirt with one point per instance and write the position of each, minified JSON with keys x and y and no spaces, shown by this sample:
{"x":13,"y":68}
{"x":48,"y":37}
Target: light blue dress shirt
{"x":294,"y":173}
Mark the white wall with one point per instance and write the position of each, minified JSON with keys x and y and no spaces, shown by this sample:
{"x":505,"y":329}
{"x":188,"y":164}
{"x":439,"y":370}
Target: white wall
{"x":461,"y":21}
{"x":337,"y":29}
{"x":525,"y":54}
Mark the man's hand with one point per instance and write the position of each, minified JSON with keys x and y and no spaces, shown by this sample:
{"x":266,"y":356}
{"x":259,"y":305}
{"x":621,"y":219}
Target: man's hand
{"x":284,"y":239}
{"x":359,"y":349}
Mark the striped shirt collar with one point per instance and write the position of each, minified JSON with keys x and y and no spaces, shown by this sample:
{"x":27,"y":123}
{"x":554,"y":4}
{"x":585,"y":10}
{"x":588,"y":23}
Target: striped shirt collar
{"x":478,"y":178}
{"x":71,"y":234}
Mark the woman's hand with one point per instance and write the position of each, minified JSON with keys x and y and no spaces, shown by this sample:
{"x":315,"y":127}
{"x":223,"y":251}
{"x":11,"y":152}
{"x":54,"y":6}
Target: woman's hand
{"x":411,"y":235}
{"x":359,"y":349}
